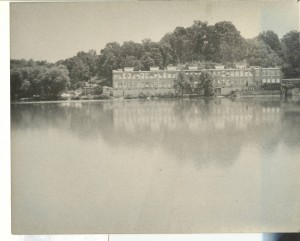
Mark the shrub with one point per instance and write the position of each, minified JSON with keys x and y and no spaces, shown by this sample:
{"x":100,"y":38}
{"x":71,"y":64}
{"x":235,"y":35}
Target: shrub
{"x":128,"y":96}
{"x":142,"y":95}
{"x":84,"y":97}
{"x":75,"y":97}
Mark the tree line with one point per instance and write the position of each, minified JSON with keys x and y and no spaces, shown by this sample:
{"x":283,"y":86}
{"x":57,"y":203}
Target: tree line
{"x":201,"y":44}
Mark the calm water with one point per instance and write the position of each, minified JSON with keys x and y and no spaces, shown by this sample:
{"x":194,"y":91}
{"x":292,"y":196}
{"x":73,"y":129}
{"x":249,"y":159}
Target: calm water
{"x":160,"y":166}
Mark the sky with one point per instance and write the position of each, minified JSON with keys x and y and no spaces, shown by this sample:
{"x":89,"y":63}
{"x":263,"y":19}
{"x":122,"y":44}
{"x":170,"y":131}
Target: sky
{"x":54,"y":31}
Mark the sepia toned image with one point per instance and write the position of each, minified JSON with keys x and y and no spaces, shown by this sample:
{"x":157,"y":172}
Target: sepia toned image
{"x":155,"y":117}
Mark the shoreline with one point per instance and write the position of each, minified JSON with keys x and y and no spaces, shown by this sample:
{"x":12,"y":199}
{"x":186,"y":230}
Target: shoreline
{"x":122,"y":98}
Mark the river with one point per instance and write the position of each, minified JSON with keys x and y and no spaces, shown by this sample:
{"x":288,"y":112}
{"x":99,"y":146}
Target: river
{"x":156,"y":166}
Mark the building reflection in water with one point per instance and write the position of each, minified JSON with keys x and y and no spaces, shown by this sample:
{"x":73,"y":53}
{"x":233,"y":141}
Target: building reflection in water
{"x":141,"y":166}
{"x":198,"y":130}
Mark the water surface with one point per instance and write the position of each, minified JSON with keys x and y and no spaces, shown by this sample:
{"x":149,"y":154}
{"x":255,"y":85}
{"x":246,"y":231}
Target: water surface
{"x":159,"y":166}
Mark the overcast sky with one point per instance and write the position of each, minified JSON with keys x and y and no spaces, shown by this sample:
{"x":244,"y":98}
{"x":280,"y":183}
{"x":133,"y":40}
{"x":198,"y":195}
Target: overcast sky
{"x":54,"y":31}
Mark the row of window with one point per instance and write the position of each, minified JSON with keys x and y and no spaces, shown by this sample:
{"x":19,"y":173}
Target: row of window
{"x":232,"y":82}
{"x":222,"y":73}
{"x":273,"y":80}
{"x":232,"y":73}
{"x":270,"y":72}
{"x":169,"y":84}
{"x":141,"y":85}
{"x":145,"y":76}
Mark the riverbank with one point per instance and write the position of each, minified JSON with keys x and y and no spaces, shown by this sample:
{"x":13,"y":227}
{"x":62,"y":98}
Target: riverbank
{"x":145,"y":99}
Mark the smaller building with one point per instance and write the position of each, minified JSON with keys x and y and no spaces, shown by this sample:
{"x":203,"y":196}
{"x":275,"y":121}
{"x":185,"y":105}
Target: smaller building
{"x":220,"y":67}
{"x":90,"y":89}
{"x":107,"y":90}
{"x":241,"y":65}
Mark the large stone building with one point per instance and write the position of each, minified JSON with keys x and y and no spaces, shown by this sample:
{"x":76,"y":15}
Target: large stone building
{"x":156,"y":81}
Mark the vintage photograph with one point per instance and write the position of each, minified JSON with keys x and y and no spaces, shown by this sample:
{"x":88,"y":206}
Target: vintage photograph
{"x":155,"y":117}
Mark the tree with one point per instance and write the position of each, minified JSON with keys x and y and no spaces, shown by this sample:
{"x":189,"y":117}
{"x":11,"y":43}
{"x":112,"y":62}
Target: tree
{"x":81,"y":67}
{"x":110,"y":59}
{"x":15,"y":83}
{"x":179,"y":43}
{"x":132,"y":61}
{"x":181,"y":83}
{"x":166,"y":54}
{"x":30,"y":78}
{"x":198,"y":35}
{"x":206,"y":82}
{"x":54,"y":80}
{"x":271,"y":39}
{"x":230,"y":44}
{"x":131,"y":48}
{"x":261,"y":54}
{"x":291,"y":54}
{"x":25,"y":88}
{"x":152,"y":55}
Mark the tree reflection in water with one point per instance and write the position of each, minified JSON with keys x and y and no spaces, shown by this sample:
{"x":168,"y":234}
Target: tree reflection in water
{"x":202,"y":131}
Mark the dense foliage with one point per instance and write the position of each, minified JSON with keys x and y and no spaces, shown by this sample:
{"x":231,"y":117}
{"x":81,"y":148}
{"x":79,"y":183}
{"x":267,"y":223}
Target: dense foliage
{"x":206,"y":83}
{"x":291,"y":54}
{"x":30,"y":78}
{"x":200,"y":44}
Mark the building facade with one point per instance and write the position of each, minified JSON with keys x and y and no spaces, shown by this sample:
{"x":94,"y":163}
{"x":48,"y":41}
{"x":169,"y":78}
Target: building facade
{"x":129,"y":82}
